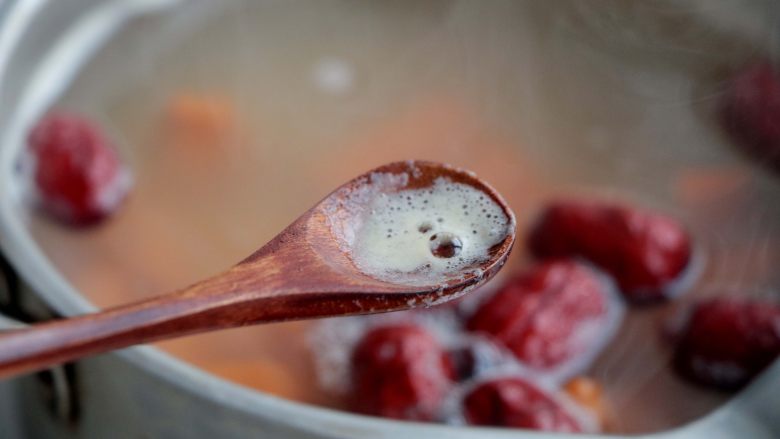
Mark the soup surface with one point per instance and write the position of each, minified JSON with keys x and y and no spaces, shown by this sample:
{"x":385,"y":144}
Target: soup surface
{"x":236,"y":118}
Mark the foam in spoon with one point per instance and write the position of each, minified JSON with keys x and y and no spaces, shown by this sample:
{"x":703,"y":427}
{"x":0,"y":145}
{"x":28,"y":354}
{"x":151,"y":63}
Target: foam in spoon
{"x":421,"y":236}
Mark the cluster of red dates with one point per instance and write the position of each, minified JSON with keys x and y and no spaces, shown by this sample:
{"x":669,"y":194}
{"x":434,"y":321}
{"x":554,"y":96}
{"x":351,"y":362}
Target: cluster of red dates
{"x":553,"y":319}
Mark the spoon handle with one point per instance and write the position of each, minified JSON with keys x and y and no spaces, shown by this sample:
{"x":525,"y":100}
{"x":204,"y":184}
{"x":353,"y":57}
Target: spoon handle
{"x":204,"y":306}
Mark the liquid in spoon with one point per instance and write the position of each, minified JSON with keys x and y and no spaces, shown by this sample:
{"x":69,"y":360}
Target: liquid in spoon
{"x":421,"y":236}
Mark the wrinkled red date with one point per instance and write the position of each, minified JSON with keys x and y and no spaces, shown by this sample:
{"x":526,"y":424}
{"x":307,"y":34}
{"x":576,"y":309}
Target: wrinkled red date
{"x":515,"y":402}
{"x":400,"y":371}
{"x":78,"y":175}
{"x":750,"y":112}
{"x":547,"y":316}
{"x":643,"y":251}
{"x":728,"y":341}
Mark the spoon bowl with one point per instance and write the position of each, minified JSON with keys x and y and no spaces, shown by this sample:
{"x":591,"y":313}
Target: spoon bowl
{"x":308,"y":270}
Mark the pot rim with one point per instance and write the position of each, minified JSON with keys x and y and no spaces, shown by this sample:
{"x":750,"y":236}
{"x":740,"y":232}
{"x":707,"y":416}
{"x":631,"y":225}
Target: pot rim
{"x":37,"y":271}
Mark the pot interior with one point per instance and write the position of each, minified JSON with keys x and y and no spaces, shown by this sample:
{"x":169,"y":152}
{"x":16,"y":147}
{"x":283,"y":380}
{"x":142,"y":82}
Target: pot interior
{"x":236,"y":117}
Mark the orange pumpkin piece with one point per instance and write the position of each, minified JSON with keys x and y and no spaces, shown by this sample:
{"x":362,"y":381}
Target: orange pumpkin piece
{"x":201,"y":117}
{"x":589,"y":394}
{"x":711,"y":185}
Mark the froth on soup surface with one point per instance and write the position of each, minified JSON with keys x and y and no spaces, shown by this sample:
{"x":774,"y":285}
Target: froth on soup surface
{"x":420,"y":236}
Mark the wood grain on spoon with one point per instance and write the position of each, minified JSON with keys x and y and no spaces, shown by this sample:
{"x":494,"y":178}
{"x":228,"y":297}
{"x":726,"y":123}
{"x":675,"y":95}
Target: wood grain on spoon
{"x":304,"y":272}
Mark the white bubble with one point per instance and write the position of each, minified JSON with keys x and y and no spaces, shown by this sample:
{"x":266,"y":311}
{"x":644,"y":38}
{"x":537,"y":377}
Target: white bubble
{"x":333,"y":76}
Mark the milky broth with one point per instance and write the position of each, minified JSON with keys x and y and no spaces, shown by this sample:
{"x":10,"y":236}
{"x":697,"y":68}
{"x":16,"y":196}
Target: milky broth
{"x":420,"y":236}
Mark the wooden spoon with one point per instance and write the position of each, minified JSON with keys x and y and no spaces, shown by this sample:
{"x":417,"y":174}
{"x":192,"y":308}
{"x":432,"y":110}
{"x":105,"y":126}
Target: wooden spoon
{"x":303,"y":272}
